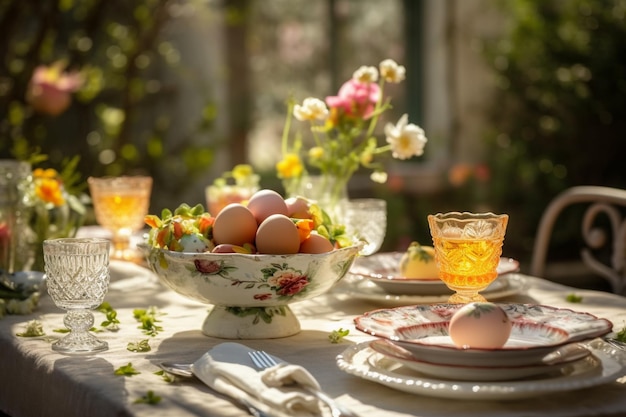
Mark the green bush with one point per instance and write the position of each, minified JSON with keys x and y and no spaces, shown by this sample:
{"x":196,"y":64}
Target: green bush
{"x":560,"y":115}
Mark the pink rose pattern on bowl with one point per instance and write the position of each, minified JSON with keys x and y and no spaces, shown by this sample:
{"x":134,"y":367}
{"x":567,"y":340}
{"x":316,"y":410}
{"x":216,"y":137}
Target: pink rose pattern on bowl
{"x":248,"y":280}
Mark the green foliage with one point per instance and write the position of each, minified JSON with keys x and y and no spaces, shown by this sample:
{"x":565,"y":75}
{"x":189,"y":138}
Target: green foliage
{"x":561,"y":111}
{"x":124,"y":119}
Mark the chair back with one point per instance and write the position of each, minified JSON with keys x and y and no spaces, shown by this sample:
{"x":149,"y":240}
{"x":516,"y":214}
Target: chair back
{"x":602,"y":201}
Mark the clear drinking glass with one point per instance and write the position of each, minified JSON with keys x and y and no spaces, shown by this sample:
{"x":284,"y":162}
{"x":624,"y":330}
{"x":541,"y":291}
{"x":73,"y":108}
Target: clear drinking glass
{"x":77,"y":271}
{"x":467,"y":251}
{"x":366,"y":218}
{"x":12,"y":174}
{"x":120,"y":205}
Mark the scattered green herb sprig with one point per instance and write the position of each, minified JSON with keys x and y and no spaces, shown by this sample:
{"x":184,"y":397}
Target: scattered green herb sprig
{"x":34,"y":328}
{"x":573,"y":298}
{"x":141,"y":346}
{"x":126,"y":370}
{"x":111,"y":323}
{"x":336,"y":336}
{"x":150,"y":398}
{"x":167,"y":377}
{"x":148,"y":319}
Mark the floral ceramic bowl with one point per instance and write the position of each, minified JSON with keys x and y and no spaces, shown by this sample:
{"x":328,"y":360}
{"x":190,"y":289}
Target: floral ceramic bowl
{"x":250,"y":293}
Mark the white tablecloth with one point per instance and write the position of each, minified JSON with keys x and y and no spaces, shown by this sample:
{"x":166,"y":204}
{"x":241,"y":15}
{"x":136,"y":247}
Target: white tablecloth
{"x":36,"y":381}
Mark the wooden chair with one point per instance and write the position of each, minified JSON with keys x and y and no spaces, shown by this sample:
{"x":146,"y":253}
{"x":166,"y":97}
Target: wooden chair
{"x":602,"y":201}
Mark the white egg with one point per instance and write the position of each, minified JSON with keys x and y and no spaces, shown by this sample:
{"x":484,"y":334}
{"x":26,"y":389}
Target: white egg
{"x":195,"y":243}
{"x":480,"y":325}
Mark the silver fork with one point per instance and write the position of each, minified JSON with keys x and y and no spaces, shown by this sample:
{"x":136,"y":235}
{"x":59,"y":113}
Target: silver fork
{"x":262,"y":361}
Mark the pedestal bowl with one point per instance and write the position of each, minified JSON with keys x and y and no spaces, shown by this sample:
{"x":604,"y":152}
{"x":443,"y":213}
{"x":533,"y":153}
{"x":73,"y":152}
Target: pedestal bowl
{"x":250,"y":293}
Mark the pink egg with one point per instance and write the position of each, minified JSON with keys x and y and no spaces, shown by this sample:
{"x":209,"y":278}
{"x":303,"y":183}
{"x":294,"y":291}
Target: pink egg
{"x":480,"y":325}
{"x":264,"y":203}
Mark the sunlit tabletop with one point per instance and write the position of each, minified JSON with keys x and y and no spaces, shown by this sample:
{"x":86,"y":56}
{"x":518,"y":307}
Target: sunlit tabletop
{"x":35,"y":381}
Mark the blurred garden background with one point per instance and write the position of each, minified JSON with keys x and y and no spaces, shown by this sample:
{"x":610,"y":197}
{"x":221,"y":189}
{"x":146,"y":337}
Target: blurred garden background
{"x":519,"y":99}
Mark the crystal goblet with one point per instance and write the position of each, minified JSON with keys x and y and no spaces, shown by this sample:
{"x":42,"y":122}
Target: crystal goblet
{"x":77,"y":271}
{"x":120,"y":205}
{"x":366,"y":219}
{"x":467,"y":251}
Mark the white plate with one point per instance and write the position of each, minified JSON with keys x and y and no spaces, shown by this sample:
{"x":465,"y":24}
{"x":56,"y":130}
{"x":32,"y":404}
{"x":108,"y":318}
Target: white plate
{"x":477,"y":373}
{"x":364,"y":289}
{"x":537,"y":330}
{"x":382,"y":270}
{"x":603,"y":366}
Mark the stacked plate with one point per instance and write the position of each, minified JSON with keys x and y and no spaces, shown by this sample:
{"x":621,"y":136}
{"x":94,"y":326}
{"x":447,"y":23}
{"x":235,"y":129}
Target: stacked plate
{"x":544,"y":353}
{"x":377,"y":278}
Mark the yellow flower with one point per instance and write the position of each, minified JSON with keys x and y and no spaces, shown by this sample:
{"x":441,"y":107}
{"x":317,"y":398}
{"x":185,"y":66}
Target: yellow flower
{"x":242,"y":171}
{"x":290,"y":167}
{"x":45,"y":173}
{"x":49,"y":190}
{"x":316,"y":152}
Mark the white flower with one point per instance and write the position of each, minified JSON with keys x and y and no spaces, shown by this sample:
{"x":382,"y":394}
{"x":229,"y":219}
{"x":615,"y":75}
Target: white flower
{"x":366,"y":74}
{"x":406,"y":140}
{"x":311,"y":109}
{"x":391,"y":71}
{"x":379,"y":177}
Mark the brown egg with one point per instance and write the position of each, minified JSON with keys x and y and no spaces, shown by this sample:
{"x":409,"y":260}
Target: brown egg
{"x":316,"y":244}
{"x":480,"y":325}
{"x":277,"y":235}
{"x":264,"y":203}
{"x":298,"y":208}
{"x":234,"y":224}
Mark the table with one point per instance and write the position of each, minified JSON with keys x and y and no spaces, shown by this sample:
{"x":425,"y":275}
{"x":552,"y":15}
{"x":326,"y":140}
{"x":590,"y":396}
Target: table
{"x":35,"y":381}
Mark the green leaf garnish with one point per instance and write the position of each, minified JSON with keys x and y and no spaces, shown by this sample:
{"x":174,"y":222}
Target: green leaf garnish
{"x":66,"y":330}
{"x":150,"y":398}
{"x":167,"y":377}
{"x":573,"y":298}
{"x":621,"y":335}
{"x":148,"y":320}
{"x":34,"y":328}
{"x":336,"y":336}
{"x":416,"y":251}
{"x":111,"y":322}
{"x":141,"y":346}
{"x":126,"y":370}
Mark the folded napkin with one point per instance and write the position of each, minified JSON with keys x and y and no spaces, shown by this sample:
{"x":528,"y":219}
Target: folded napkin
{"x":227,"y":369}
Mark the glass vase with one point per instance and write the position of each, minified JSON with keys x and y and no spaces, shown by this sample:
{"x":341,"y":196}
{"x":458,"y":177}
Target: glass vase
{"x":329,"y":192}
{"x":46,"y":221}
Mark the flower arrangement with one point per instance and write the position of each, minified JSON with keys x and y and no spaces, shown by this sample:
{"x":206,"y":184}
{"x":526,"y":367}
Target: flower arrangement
{"x":52,"y":207}
{"x":343,"y":131}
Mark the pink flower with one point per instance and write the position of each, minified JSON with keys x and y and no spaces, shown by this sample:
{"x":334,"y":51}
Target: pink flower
{"x":207,"y":267}
{"x":294,"y":286}
{"x":50,"y":88}
{"x":356,"y":98}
